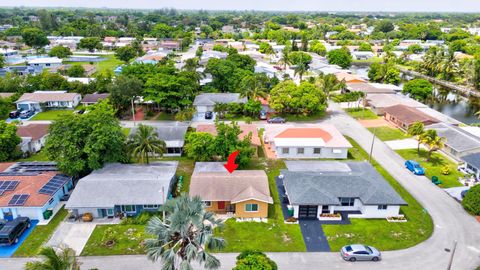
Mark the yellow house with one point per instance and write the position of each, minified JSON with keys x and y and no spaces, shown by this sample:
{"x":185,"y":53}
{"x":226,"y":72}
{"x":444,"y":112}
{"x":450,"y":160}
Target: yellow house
{"x":245,"y":194}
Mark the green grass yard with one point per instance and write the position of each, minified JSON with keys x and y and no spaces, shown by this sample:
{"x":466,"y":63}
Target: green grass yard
{"x":362,"y":114}
{"x":52,"y":115}
{"x":109,"y":64}
{"x":40,"y":156}
{"x":129,"y":239}
{"x":389,"y":134}
{"x":434,"y":166}
{"x":39,"y":236}
{"x":378,"y":232}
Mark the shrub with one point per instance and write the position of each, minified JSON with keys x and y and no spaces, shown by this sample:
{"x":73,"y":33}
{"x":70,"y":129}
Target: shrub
{"x":471,"y":202}
{"x":254,"y":259}
{"x":109,"y":237}
{"x":291,"y":219}
{"x":446,"y":170}
{"x":141,"y":219}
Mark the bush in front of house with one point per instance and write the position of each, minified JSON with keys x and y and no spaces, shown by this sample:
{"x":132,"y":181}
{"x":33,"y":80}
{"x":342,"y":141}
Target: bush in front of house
{"x":471,"y":202}
{"x":254,"y":259}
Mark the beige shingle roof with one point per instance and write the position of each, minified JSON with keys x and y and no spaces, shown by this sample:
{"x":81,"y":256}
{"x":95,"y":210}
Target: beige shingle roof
{"x":47,"y":96}
{"x":241,"y":185}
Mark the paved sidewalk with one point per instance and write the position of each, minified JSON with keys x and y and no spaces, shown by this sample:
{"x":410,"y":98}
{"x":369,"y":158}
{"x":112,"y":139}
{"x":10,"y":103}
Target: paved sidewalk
{"x":74,"y":235}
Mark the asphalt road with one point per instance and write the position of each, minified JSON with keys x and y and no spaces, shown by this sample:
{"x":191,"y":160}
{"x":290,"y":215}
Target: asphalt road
{"x":451,"y":223}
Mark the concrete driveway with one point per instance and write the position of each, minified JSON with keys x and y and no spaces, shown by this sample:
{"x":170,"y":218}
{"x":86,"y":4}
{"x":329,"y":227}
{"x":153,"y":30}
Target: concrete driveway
{"x":73,"y":234}
{"x":403,"y":144}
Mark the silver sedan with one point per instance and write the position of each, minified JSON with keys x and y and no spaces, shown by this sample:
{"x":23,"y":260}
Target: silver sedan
{"x":360,"y":253}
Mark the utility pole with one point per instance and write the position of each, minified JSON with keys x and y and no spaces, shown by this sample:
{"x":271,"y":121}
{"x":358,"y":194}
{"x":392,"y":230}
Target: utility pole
{"x":133,"y":111}
{"x":163,"y":206}
{"x":371,"y":147}
{"x":451,"y":256}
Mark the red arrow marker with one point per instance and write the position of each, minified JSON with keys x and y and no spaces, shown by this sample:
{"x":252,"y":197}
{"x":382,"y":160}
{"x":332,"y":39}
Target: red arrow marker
{"x":230,"y":165}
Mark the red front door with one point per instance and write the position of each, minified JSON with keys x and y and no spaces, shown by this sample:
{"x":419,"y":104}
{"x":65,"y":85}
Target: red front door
{"x":221,"y":205}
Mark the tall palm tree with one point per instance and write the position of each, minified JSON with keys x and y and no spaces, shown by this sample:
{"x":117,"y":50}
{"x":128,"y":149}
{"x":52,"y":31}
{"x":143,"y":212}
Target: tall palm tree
{"x":221,"y":109}
{"x":300,"y":69}
{"x":329,"y":83}
{"x":432,"y":141}
{"x":145,"y":142}
{"x":254,"y":86}
{"x":416,"y":130}
{"x":285,"y":59}
{"x":184,"y":236}
{"x":61,"y":259}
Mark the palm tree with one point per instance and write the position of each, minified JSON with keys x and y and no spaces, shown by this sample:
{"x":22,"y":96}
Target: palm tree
{"x":254,"y":86}
{"x":329,"y":83}
{"x":432,"y":141}
{"x":145,"y":142}
{"x":285,"y":59}
{"x":221,"y":109}
{"x":184,"y":236}
{"x":416,"y":129}
{"x":300,"y":69}
{"x":62,"y":259}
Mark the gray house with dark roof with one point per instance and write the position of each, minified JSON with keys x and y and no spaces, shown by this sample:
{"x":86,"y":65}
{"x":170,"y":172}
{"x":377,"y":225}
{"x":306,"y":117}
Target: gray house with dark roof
{"x":205,"y":102}
{"x":472,"y":164}
{"x":173,"y":134}
{"x":320,"y":187}
{"x":458,"y":142}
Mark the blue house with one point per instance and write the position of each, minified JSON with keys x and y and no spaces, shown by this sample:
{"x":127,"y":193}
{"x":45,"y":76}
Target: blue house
{"x":32,"y":189}
{"x":126,"y":189}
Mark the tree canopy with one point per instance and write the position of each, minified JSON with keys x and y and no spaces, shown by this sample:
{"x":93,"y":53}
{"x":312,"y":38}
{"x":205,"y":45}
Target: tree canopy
{"x":9,"y":141}
{"x":60,"y":52}
{"x":307,"y":99}
{"x":419,"y":89}
{"x":340,"y":57}
{"x":471,"y":202}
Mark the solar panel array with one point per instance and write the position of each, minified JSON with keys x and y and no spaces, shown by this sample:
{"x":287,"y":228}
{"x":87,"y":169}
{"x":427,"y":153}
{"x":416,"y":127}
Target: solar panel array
{"x":54,"y":184}
{"x":18,"y":200}
{"x":8,"y":185}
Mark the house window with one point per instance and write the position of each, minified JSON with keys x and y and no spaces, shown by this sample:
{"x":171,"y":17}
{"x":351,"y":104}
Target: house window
{"x":347,"y":201}
{"x":251,"y":207}
{"x":382,"y":207}
{"x":300,"y":151}
{"x":207,"y":203}
{"x":51,"y":201}
{"x":128,"y":208}
{"x":285,"y":150}
{"x":150,"y":206}
{"x":316,"y":150}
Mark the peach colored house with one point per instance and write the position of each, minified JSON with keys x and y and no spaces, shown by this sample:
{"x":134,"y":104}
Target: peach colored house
{"x":245,"y":128}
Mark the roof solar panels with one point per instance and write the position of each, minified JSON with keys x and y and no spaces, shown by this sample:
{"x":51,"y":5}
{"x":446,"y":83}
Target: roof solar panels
{"x":54,"y":184}
{"x":18,"y":200}
{"x":8,"y":185}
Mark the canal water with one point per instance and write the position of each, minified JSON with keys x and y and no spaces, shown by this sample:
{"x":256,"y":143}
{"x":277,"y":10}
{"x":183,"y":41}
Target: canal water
{"x":445,"y":101}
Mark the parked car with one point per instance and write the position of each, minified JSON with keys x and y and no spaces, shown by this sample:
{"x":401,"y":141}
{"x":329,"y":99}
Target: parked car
{"x":360,"y":253}
{"x":276,"y":120}
{"x":208,"y":115}
{"x":414,"y":167}
{"x":14,"y":114}
{"x":12,"y":230}
{"x":263,"y":115}
{"x":26,"y":114}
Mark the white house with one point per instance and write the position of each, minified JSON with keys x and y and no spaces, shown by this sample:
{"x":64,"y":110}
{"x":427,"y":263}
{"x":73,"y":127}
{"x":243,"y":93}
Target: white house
{"x":49,"y":100}
{"x":33,"y":137}
{"x":353,"y":189}
{"x":45,"y":62}
{"x":306,"y":141}
{"x":205,"y":102}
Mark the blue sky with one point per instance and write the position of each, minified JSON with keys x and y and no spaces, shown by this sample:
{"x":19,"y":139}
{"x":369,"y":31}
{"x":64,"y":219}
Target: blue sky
{"x":286,"y":5}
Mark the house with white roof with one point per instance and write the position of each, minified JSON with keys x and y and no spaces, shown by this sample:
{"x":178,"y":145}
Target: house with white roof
{"x":45,"y":62}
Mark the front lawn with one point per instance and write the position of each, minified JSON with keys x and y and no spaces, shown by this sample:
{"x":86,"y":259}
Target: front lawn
{"x":434,"y":166}
{"x":388,"y":133}
{"x":39,"y":236}
{"x":52,"y":115}
{"x":40,"y":156}
{"x":378,"y":232}
{"x":362,"y":114}
{"x":163,"y":116}
{"x":109,"y":64}
{"x":129,"y":241}
{"x":273,"y":236}
{"x":303,"y":118}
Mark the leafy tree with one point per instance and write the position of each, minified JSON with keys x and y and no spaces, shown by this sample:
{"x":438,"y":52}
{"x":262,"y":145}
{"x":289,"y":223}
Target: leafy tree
{"x":2,"y":61}
{"x":82,"y":143}
{"x":62,"y":259}
{"x":162,"y":30}
{"x":145,"y":142}
{"x":126,"y":53}
{"x":294,"y":46}
{"x":432,"y":141}
{"x":76,"y":70}
{"x":418,"y":88}
{"x":285,"y":59}
{"x":415,"y":48}
{"x":266,"y":48}
{"x":34,"y":38}
{"x":6,"y":106}
{"x":301,"y":61}
{"x":185,"y":236}
{"x":241,"y":61}
{"x":123,"y":89}
{"x":227,"y":74}
{"x":60,"y":52}
{"x":328,"y":83}
{"x":416,"y":129}
{"x":318,"y":48}
{"x":9,"y":141}
{"x":365,"y":47}
{"x":340,"y":57}
{"x":287,"y":97}
{"x":471,"y":202}
{"x":253,"y":260}
{"x":221,"y":109}
{"x":185,"y":114}
{"x":384,"y":26}
{"x":255,"y":85}
{"x":90,"y":43}
{"x":199,"y":146}
{"x":253,"y":107}
{"x":384,"y":73}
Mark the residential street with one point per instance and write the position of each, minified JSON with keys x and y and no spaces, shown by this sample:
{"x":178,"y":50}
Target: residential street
{"x":451,"y":223}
